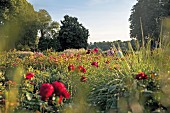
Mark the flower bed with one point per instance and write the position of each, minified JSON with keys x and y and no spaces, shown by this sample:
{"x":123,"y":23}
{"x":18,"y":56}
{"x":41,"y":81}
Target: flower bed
{"x":81,"y":82}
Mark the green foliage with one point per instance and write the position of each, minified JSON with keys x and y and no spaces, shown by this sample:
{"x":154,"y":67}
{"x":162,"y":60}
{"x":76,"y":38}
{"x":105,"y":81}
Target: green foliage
{"x":72,"y":34}
{"x":18,"y":23}
{"x":151,"y":13}
{"x":49,"y":37}
{"x":104,"y":46}
{"x":48,"y":30}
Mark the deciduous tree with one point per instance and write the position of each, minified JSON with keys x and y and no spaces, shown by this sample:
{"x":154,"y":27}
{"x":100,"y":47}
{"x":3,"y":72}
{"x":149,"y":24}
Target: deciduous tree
{"x":72,"y":34}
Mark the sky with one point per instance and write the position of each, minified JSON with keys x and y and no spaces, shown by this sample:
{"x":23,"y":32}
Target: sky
{"x":106,"y":20}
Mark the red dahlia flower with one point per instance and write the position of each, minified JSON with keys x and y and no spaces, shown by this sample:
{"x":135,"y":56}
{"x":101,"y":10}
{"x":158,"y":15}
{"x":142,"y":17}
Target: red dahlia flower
{"x":88,"y":51}
{"x":95,"y":64}
{"x":71,"y":67}
{"x":83,"y":79}
{"x":46,"y":90}
{"x":96,"y":50}
{"x":60,"y":90}
{"x":81,"y":69}
{"x":141,"y":76}
{"x":29,"y":75}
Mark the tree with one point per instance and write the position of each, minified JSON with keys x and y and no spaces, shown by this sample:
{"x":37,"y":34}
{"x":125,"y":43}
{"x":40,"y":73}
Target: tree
{"x":48,"y":38}
{"x":18,"y":23}
{"x":150,"y":12}
{"x":4,"y":4}
{"x":72,"y":34}
{"x":44,"y":20}
{"x":49,"y":31}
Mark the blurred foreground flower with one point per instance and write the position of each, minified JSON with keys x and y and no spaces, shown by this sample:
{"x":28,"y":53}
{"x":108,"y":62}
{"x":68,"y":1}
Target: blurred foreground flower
{"x":46,"y":90}
{"x":60,"y":90}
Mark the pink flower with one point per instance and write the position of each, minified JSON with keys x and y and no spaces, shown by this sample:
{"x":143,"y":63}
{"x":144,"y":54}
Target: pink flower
{"x":141,"y":76}
{"x":60,"y":90}
{"x":14,"y":64}
{"x":63,"y":55}
{"x":96,"y":50}
{"x":51,"y":57}
{"x":95,"y":64}
{"x":46,"y":90}
{"x":29,"y":75}
{"x":71,"y":55}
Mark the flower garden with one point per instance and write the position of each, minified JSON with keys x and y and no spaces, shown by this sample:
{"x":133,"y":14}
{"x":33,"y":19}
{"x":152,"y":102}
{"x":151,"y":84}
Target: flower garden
{"x":85,"y":81}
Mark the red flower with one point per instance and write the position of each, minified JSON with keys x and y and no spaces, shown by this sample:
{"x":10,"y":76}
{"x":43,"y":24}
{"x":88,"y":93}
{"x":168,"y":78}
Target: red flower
{"x":81,"y":69}
{"x":71,"y":67}
{"x":46,"y":90}
{"x":83,"y":79}
{"x":63,"y":55}
{"x":96,"y":50}
{"x":60,"y":90}
{"x":29,"y":75}
{"x":88,"y":51}
{"x":95,"y":64}
{"x":141,"y":76}
{"x":32,"y":83}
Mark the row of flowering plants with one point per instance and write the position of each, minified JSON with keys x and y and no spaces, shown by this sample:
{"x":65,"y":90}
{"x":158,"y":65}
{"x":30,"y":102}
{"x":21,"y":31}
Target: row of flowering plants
{"x":52,"y":82}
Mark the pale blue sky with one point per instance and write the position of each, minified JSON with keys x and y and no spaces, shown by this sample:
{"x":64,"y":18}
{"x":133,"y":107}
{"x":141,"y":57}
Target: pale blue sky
{"x":107,"y":20}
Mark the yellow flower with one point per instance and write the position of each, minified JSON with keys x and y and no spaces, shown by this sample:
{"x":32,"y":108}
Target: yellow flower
{"x":37,"y":71}
{"x":45,"y":74}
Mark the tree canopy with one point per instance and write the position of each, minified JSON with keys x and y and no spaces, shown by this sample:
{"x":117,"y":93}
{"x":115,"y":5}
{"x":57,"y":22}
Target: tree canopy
{"x":146,"y":17}
{"x":72,"y":34}
{"x":49,"y":31}
{"x":18,"y":22}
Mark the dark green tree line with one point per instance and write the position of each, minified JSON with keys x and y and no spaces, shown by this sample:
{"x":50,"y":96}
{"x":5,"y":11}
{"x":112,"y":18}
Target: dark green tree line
{"x":72,"y":34}
{"x":104,"y":46}
{"x":20,"y":23}
{"x":148,"y":14}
